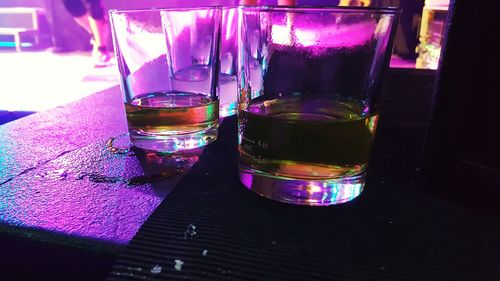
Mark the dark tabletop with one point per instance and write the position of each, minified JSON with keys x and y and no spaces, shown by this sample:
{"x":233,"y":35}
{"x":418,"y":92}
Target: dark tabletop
{"x":75,"y":199}
{"x":67,"y":194}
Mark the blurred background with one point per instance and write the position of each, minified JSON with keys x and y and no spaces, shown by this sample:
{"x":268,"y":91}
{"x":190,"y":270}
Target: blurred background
{"x":46,"y":56}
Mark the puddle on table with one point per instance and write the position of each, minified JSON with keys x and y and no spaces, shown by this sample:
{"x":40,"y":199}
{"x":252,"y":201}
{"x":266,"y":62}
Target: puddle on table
{"x":145,"y":179}
{"x":119,"y":145}
{"x":156,"y":166}
{"x":161,"y":166}
{"x":59,"y":174}
{"x":134,"y":181}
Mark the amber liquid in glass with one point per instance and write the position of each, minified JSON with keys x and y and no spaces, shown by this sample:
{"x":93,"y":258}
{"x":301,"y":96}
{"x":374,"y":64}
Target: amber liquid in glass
{"x":171,"y":113}
{"x":311,"y":137}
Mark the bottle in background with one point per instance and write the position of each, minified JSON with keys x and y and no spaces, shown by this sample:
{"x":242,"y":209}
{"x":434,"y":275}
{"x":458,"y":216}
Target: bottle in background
{"x":431,"y":33}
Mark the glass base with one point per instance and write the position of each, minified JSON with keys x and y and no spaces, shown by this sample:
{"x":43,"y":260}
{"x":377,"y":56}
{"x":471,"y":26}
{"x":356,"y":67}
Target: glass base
{"x":173,"y":143}
{"x":322,"y":192}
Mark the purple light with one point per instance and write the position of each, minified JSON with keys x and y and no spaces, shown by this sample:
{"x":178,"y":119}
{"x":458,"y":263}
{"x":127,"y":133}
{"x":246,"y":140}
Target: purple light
{"x":246,"y":179}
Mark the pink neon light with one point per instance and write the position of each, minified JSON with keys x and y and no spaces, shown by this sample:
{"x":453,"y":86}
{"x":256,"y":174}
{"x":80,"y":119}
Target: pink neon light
{"x":334,"y":36}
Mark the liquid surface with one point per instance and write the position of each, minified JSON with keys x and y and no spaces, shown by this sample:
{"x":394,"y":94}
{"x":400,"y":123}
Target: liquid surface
{"x":171,"y":113}
{"x":312,"y":137}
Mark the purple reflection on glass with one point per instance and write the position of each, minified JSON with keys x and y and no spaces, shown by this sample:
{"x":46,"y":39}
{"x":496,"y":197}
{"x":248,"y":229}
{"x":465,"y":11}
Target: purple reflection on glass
{"x":228,"y":87}
{"x":335,"y":36}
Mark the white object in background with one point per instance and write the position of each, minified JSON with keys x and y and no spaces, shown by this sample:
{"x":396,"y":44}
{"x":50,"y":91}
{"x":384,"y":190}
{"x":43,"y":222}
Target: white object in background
{"x":443,"y":3}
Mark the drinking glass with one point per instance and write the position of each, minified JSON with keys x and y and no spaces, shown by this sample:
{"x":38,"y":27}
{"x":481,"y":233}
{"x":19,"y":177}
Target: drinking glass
{"x":308,"y":103}
{"x":229,"y":47}
{"x":168,"y":63}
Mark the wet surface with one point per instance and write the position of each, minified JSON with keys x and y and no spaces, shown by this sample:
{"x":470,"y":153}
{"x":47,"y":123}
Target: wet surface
{"x":91,"y":192}
{"x":61,"y":173}
{"x":45,"y":136}
{"x":119,"y":145}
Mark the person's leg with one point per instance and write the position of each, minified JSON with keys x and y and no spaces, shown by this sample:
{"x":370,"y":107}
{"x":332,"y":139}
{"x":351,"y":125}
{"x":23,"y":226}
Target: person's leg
{"x":77,"y":9}
{"x":100,"y":30}
{"x":98,"y":23}
{"x":84,"y":22}
{"x":56,"y":36}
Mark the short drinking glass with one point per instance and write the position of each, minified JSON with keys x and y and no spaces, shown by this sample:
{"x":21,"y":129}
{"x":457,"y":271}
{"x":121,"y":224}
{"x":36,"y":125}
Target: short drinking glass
{"x":168,"y":63}
{"x":308,"y":104}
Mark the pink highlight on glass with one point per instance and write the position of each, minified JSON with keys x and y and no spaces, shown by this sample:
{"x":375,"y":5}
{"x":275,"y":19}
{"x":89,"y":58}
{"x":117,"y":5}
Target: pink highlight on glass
{"x":335,"y":36}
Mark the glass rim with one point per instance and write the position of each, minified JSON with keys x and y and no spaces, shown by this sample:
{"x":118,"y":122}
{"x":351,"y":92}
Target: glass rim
{"x":280,"y":8}
{"x":324,"y":8}
{"x":159,"y":9}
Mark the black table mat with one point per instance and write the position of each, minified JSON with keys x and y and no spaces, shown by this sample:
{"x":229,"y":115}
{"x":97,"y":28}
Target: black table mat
{"x":393,"y":231}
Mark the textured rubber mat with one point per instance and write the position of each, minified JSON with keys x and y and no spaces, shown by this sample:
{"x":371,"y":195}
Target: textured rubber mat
{"x":211,"y":228}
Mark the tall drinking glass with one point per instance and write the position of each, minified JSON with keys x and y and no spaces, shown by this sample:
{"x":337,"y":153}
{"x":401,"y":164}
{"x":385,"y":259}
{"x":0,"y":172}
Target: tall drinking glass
{"x":168,"y":63}
{"x":308,"y":105}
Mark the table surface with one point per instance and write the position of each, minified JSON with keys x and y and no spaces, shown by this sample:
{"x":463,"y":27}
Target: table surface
{"x":61,"y":177}
{"x":62,"y":183}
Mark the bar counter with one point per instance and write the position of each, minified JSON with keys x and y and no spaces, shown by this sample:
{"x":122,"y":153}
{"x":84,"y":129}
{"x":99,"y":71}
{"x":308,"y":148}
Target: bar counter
{"x":73,"y":206}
